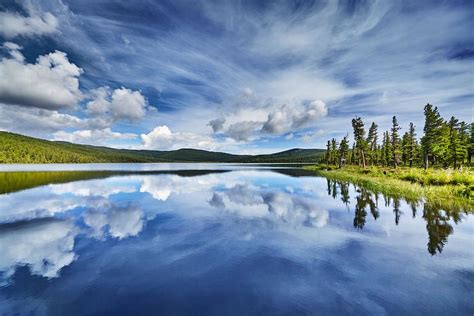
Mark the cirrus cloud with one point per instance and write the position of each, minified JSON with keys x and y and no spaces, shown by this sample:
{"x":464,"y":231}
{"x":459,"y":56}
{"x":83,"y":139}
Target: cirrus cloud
{"x":13,"y":24}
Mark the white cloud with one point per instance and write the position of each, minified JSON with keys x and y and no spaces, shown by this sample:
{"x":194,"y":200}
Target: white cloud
{"x":251,"y":201}
{"x":98,"y":136}
{"x":51,"y":83}
{"x":44,"y":246}
{"x":13,"y":24}
{"x":288,"y":118}
{"x":120,"y":104}
{"x":160,"y":190}
{"x":291,"y":117}
{"x":22,"y":207}
{"x":35,"y":121}
{"x":121,"y":222}
{"x":105,"y":188}
{"x":243,"y":131}
{"x":162,"y":138}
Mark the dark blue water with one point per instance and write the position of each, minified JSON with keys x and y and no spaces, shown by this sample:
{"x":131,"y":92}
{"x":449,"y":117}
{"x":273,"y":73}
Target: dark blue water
{"x":243,"y":242}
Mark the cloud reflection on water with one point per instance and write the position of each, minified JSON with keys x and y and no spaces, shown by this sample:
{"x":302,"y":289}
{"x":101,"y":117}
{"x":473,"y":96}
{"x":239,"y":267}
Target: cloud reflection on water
{"x":38,"y":227}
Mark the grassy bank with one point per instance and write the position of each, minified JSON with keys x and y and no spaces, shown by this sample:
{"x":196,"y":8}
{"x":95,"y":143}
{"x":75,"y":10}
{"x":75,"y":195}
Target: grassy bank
{"x":433,"y":184}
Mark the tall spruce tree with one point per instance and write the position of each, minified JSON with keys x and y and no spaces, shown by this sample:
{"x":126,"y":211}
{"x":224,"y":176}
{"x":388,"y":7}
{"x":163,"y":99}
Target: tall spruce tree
{"x":465,"y":139}
{"x":359,"y":137}
{"x":327,"y":156}
{"x":470,"y":148}
{"x":395,"y":142}
{"x":405,"y":147}
{"x":353,"y":154}
{"x":411,"y":144}
{"x":333,"y":151}
{"x":387,"y":149}
{"x":343,"y":150}
{"x":372,"y":143}
{"x":432,"y":128}
{"x":454,"y":141}
{"x":458,"y":142}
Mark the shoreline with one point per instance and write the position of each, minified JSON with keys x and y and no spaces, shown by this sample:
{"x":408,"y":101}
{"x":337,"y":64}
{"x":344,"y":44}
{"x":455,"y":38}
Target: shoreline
{"x":407,"y":183}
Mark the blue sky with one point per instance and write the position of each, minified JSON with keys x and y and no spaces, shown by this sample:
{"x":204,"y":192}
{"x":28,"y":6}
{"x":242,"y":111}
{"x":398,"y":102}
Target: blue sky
{"x":236,"y":76}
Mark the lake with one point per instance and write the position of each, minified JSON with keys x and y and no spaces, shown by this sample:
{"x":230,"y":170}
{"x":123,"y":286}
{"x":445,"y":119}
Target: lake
{"x":224,"y":239}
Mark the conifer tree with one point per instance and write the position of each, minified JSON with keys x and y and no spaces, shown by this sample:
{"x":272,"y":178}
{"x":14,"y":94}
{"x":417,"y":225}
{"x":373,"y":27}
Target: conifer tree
{"x":327,"y":156}
{"x":470,"y":146}
{"x":405,"y":147}
{"x":333,"y":151}
{"x":433,"y":125}
{"x":387,"y":149}
{"x":372,"y":143}
{"x":343,"y":150}
{"x":411,"y":144}
{"x":359,"y":137}
{"x":353,"y":154}
{"x":457,"y":142}
{"x":395,"y":142}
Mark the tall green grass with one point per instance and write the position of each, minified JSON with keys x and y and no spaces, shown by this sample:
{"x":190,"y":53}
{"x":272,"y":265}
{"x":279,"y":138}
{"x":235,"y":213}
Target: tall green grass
{"x":437,"y":185}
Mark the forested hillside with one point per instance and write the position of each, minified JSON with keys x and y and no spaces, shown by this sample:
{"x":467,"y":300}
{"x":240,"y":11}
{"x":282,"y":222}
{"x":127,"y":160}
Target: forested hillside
{"x":15,"y":148}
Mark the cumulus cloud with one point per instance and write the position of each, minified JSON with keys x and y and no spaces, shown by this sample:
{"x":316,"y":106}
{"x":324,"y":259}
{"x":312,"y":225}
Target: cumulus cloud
{"x":160,"y":190}
{"x":243,"y":131}
{"x":162,"y":138}
{"x":217,"y":125}
{"x":45,"y":246}
{"x":288,"y":118}
{"x":291,"y":117}
{"x":13,"y":24}
{"x":119,"y":222}
{"x":104,"y":189}
{"x":119,"y":104}
{"x":36,"y":121}
{"x":98,"y":136}
{"x":23,"y":206}
{"x":50,"y":83}
{"x":250,"y":201}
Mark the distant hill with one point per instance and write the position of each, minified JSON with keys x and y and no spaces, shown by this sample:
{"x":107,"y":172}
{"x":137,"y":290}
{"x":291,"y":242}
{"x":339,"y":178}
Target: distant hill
{"x":16,"y":148}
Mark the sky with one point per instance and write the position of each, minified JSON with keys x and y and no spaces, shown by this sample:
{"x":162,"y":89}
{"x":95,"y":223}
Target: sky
{"x":235,"y":76}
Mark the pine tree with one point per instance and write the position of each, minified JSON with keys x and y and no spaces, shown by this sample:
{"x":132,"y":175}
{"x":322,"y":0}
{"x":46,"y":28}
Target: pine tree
{"x":395,"y":142}
{"x":405,"y":147}
{"x":433,"y":125}
{"x":333,"y":151}
{"x":327,"y":156}
{"x":372,"y":143}
{"x":359,"y":137}
{"x":411,"y":144}
{"x":457,"y":142}
{"x":386,"y":149}
{"x":353,"y":154}
{"x":470,"y":149}
{"x":343,"y":150}
{"x":465,"y":139}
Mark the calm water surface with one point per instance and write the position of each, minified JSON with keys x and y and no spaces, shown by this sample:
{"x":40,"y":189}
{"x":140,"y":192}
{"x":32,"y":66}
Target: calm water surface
{"x":225,"y":240}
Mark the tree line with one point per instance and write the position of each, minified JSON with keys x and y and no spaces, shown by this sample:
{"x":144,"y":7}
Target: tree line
{"x":444,"y":143}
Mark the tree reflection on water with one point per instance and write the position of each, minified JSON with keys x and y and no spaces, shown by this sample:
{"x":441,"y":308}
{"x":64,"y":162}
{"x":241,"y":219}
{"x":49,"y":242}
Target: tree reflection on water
{"x":438,"y":215}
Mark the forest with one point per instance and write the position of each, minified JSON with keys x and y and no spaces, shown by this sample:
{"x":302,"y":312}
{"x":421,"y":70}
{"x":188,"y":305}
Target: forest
{"x":443,"y":144}
{"x":16,"y":148}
